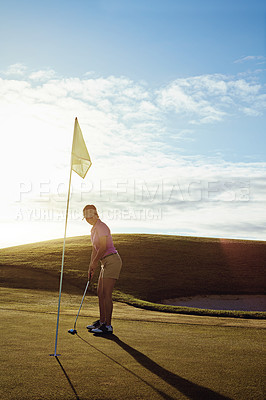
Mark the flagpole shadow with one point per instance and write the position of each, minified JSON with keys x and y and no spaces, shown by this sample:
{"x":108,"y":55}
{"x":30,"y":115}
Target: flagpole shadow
{"x":192,"y":390}
{"x":67,"y":377}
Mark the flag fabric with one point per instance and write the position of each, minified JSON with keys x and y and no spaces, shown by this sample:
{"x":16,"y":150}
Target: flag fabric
{"x":80,"y":159}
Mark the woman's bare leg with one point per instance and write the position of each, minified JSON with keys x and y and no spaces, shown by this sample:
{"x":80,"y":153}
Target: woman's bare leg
{"x":108,"y":286}
{"x":100,"y":293}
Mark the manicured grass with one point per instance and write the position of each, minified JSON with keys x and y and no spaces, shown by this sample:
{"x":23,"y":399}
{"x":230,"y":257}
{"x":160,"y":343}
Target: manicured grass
{"x":155,"y":267}
{"x":151,"y":356}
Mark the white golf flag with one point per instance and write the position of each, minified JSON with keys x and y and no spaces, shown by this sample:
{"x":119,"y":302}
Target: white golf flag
{"x":80,"y":159}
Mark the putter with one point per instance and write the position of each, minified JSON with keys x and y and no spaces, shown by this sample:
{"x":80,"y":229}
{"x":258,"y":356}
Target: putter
{"x":74,"y":331}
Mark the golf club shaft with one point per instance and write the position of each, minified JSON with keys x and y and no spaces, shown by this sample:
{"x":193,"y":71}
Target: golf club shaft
{"x":81,"y":303}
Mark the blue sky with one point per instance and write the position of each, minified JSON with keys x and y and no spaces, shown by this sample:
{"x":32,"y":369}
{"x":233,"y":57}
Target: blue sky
{"x":152,"y":40}
{"x":170,"y":97}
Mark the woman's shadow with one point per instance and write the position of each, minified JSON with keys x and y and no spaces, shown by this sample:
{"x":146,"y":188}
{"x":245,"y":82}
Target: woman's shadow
{"x":188,"y":388}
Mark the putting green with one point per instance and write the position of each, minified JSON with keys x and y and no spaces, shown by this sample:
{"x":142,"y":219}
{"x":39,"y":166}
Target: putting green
{"x":152,"y":355}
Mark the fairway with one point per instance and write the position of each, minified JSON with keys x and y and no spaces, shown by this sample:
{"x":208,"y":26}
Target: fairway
{"x":152,"y":355}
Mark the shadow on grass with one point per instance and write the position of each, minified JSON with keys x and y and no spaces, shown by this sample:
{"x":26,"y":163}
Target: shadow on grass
{"x":189,"y":389}
{"x":164,"y":395}
{"x":68,"y":379}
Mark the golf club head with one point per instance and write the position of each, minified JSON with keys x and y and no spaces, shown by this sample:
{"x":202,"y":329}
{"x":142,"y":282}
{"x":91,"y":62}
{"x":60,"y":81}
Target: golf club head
{"x":72,"y":331}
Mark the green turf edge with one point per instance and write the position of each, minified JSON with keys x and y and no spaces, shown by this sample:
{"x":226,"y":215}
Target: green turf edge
{"x":133,"y":301}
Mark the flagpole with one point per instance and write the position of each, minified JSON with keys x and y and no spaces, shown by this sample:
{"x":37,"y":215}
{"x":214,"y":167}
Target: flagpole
{"x":80,"y":163}
{"x":62,"y":266}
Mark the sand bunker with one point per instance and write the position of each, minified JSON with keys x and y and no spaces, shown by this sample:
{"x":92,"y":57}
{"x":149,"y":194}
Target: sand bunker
{"x":222,"y":302}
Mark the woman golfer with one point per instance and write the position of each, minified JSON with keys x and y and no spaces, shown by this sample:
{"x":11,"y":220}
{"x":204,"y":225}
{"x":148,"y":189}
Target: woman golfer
{"x":103,"y":250}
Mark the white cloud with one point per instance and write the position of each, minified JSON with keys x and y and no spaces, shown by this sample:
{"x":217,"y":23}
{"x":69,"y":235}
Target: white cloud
{"x":251,"y":112}
{"x":261,"y":59}
{"x":17,"y":69}
{"x":129,"y":130}
{"x":42,"y":75}
{"x":210,"y":98}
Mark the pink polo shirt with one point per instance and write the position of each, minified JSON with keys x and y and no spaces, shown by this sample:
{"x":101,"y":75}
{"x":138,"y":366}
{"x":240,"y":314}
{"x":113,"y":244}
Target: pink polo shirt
{"x":98,"y":230}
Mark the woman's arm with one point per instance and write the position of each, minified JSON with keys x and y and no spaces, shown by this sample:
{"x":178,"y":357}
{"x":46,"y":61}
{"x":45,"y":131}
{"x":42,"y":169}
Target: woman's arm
{"x":93,"y":253}
{"x":97,"y":255}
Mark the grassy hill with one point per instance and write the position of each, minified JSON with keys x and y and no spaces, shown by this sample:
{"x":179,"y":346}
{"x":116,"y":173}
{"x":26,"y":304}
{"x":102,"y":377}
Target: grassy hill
{"x":155,"y":267}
